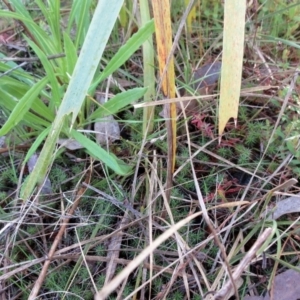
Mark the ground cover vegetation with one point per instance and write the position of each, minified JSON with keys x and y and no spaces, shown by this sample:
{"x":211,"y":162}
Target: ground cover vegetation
{"x":98,"y":194}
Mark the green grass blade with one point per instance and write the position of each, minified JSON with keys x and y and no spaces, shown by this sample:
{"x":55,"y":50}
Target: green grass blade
{"x":148,"y":70}
{"x":56,"y":96}
{"x":45,"y":41}
{"x":23,"y":106}
{"x":71,"y":54}
{"x":126,"y":51}
{"x":117,"y":103}
{"x":8,"y":103}
{"x":36,"y":144}
{"x":80,"y":14}
{"x":97,"y":152}
{"x":19,"y":73}
{"x":52,"y":16}
{"x":11,"y":91}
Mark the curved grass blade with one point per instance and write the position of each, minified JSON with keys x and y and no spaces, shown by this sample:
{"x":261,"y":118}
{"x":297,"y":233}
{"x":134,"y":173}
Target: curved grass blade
{"x":97,"y":152}
{"x":125,"y":52}
{"x":148,"y":70}
{"x":50,"y":74}
{"x":23,"y":107}
{"x":117,"y":103}
{"x":36,"y":144}
{"x":71,"y":54}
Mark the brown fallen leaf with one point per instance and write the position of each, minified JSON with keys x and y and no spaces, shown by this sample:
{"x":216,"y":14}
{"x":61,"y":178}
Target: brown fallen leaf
{"x":207,"y":75}
{"x":70,"y":144}
{"x":107,"y":130}
{"x":204,"y":81}
{"x":286,"y":287}
{"x":285,"y":206}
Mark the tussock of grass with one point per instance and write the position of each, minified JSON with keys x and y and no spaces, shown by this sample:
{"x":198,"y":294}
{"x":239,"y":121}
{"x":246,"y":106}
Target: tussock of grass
{"x":125,"y":215}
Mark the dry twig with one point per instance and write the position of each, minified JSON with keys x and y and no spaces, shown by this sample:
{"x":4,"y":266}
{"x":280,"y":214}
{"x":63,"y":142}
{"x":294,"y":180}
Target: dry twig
{"x":43,"y":273}
{"x":226,"y":289}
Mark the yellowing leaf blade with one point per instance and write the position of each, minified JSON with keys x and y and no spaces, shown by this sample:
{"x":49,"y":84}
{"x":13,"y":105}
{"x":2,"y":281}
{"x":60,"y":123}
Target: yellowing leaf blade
{"x":232,"y":61}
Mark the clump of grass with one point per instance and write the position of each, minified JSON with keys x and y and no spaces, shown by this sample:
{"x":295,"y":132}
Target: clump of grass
{"x":97,"y":217}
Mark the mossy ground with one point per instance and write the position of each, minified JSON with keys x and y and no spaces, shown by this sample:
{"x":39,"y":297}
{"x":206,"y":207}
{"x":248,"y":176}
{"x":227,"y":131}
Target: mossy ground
{"x":246,"y":164}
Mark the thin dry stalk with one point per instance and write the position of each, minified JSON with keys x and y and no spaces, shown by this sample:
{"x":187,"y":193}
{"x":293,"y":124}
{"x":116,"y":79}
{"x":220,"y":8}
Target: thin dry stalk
{"x":86,"y":264}
{"x":106,"y":290}
{"x":244,"y":92}
{"x":152,"y":191}
{"x":198,"y":247}
{"x":182,"y":247}
{"x":226,"y":289}
{"x":113,"y":249}
{"x":119,"y":261}
{"x":109,"y":288}
{"x":120,"y":292}
{"x":220,"y":275}
{"x":44,"y":270}
{"x":207,"y":219}
{"x":28,"y":32}
{"x":279,"y":118}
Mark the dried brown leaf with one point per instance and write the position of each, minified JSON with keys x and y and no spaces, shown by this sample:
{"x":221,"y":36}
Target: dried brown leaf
{"x":107,"y":130}
{"x":286,"y":206}
{"x":286,"y":286}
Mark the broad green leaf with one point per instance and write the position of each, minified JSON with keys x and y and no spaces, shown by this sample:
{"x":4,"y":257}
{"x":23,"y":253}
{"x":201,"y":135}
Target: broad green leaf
{"x":11,"y":90}
{"x":97,"y":152}
{"x":23,"y":106}
{"x":89,"y":59}
{"x":117,"y":103}
{"x":94,"y":44}
{"x":8,"y":103}
{"x":35,"y":122}
{"x":10,"y":94}
{"x":125,"y":52}
{"x":42,"y":110}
